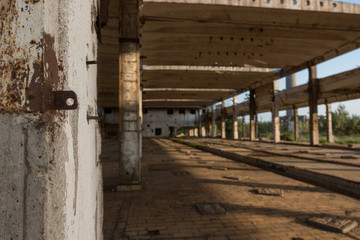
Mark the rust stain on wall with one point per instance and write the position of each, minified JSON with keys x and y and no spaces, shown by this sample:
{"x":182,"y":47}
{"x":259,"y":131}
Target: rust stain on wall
{"x":29,"y":69}
{"x":45,"y":78}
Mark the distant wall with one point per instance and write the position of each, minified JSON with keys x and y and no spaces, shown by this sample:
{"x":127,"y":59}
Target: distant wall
{"x":155,"y":119}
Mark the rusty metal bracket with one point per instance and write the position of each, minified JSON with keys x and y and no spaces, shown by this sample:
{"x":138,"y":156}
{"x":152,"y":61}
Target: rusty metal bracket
{"x":52,"y":100}
{"x":64,"y":100}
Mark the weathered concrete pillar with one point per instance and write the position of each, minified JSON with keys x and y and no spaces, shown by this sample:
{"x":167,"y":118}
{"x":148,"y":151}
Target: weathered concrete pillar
{"x":275,"y":113}
{"x":213,"y":123}
{"x":129,"y":94}
{"x":207,"y":123}
{"x":196,"y":132}
{"x":256,"y":126}
{"x":313,"y":98}
{"x":199,"y":129}
{"x":203,"y":123}
{"x":296,"y":124}
{"x":252,"y":115}
{"x":50,"y":173}
{"x":330,"y":136}
{"x":243,"y":126}
{"x":175,"y":132}
{"x":223,"y":117}
{"x":140,"y":126}
{"x":235,"y":120}
{"x":290,"y":82}
{"x":191,"y":132}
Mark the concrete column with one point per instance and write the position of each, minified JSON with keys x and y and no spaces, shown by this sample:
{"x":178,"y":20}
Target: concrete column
{"x":213,"y":123}
{"x":175,"y":131}
{"x":191,"y":132}
{"x":313,"y":98}
{"x":235,"y":121}
{"x":129,"y":91}
{"x":50,"y":173}
{"x":223,"y":125}
{"x":290,"y":82}
{"x":203,"y":131}
{"x":252,"y":115}
{"x":296,"y":124}
{"x":330,"y":136}
{"x":199,"y":132}
{"x":275,"y":113}
{"x":256,"y":126}
{"x":243,"y":127}
{"x":207,"y":123}
{"x":140,"y":127}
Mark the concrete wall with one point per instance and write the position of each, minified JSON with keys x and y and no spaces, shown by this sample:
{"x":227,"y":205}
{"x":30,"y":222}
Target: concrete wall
{"x":51,"y":185}
{"x":159,"y":118}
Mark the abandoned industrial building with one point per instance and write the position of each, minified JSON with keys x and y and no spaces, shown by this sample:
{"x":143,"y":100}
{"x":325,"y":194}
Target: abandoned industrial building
{"x":141,"y":119}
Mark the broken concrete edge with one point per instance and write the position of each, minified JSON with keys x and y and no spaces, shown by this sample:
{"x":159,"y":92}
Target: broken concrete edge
{"x":352,"y":147}
{"x":300,"y":157}
{"x":332,"y":183}
{"x":191,"y":144}
{"x":345,"y":229}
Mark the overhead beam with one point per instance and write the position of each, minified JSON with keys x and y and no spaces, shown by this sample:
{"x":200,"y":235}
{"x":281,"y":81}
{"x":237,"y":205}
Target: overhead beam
{"x":217,"y":69}
{"x":189,"y":90}
{"x":180,"y":100}
{"x":313,"y":5}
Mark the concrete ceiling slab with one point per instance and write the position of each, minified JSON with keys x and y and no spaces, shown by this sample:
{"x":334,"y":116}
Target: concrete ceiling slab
{"x":289,"y":35}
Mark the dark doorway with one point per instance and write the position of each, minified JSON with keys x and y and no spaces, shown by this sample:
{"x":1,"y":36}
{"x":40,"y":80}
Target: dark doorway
{"x":157,"y":131}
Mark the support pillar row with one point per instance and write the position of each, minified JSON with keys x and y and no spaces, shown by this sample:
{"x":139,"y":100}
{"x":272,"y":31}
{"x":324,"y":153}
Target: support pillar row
{"x":223,"y":125}
{"x":129,"y":95}
{"x":275,"y":113}
{"x":313,"y":99}
{"x":235,"y":122}
{"x":330,"y":135}
{"x":213,"y":123}
{"x":252,"y":115}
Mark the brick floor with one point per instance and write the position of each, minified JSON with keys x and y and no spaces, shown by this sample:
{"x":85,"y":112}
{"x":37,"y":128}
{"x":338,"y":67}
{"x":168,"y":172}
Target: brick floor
{"x":165,"y":207}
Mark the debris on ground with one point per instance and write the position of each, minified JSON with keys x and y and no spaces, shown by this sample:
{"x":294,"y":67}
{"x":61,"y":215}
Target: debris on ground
{"x":219,"y":168}
{"x":303,"y":151}
{"x":269,"y":192}
{"x":350,"y":212}
{"x":232,"y":178}
{"x":335,"y":224}
{"x":210,"y":209}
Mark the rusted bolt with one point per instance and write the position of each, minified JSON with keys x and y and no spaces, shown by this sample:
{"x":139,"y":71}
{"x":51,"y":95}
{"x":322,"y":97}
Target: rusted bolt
{"x":92,"y":62}
{"x":92,"y":117}
{"x":89,"y":117}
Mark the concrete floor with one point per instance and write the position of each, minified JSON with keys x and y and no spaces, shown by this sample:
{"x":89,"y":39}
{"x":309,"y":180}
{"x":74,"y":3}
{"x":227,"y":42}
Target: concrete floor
{"x":177,"y":177}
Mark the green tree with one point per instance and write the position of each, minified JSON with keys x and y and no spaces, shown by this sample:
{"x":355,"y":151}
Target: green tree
{"x":341,"y":121}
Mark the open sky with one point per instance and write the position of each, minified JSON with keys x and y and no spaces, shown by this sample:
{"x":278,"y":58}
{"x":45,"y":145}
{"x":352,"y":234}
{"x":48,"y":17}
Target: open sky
{"x":336,"y":65}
